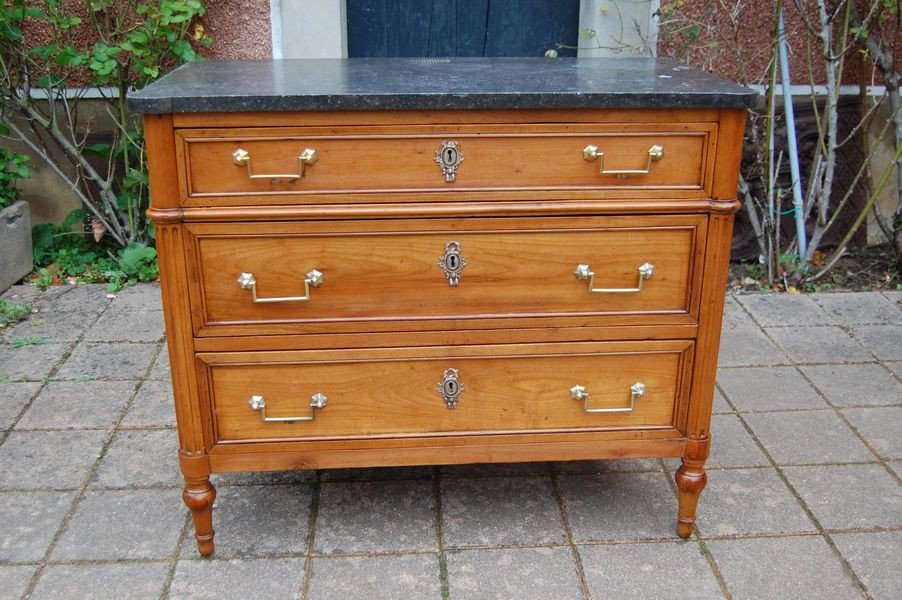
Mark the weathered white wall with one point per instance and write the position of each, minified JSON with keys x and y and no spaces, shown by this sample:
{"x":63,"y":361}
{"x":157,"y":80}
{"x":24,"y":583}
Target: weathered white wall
{"x":310,"y":28}
{"x":622,"y":27}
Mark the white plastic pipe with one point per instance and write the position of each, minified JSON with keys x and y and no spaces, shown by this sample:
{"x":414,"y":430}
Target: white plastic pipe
{"x":791,"y":139}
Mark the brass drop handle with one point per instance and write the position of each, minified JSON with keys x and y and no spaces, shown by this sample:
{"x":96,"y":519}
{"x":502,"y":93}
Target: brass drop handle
{"x":583,"y":272}
{"x":590,"y":153}
{"x":578,"y":392}
{"x":317,"y":400}
{"x":242,"y":158}
{"x":247,"y":281}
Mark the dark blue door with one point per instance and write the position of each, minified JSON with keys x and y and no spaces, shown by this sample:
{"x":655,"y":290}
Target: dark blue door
{"x":461,"y":27}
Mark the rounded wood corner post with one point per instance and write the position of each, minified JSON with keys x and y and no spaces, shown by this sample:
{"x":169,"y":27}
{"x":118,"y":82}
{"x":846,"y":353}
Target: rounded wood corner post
{"x":691,"y":476}
{"x":199,"y":495}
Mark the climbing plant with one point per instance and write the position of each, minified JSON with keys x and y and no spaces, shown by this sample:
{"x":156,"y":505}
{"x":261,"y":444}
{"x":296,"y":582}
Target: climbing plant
{"x":47,"y":72}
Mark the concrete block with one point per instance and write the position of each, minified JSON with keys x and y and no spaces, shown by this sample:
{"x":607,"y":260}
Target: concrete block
{"x":15,"y":243}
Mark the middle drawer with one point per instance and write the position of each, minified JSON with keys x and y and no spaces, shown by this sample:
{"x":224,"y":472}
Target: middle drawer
{"x":365,"y":276}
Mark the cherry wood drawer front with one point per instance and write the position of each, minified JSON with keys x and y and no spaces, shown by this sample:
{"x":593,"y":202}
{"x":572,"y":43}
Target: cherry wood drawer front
{"x":401,"y":160}
{"x":500,"y":388}
{"x":388,"y":274}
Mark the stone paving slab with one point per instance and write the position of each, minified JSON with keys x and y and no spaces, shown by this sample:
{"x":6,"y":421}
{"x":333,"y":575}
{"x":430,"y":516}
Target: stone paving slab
{"x":125,"y":325}
{"x":102,"y":580}
{"x":90,"y":498}
{"x":376,"y":516}
{"x":54,"y":324}
{"x":78,"y":405}
{"x":28,"y":522}
{"x":258,"y":522}
{"x":659,"y":570}
{"x":732,"y":445}
{"x":14,"y":396}
{"x":876,"y":558}
{"x":849,"y":496}
{"x":49,"y":459}
{"x":748,"y":502}
{"x":734,"y":315}
{"x":500,"y":511}
{"x":859,"y":308}
{"x":14,"y":580}
{"x":138,"y":297}
{"x":161,"y":371}
{"x":619,"y":506}
{"x":808,"y":437}
{"x":119,"y":360}
{"x":412,"y":576}
{"x":140,"y":458}
{"x":768,"y":388}
{"x":264,"y":478}
{"x":32,"y":362}
{"x":123,"y":524}
{"x":895,"y":367}
{"x":744,"y":346}
{"x":523,"y":573}
{"x":721,"y":406}
{"x":829,"y":344}
{"x":152,"y":407}
{"x":855,"y":385}
{"x":273,"y":579}
{"x":885,"y":341}
{"x":783,"y":311}
{"x":791,"y":567}
{"x":880,"y":427}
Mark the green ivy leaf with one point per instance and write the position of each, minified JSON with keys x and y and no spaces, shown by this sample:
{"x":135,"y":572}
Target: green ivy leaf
{"x":69,"y":57}
{"x":102,"y":150}
{"x":134,"y":256}
{"x":11,"y":31}
{"x":43,"y":53}
{"x":41,"y":241}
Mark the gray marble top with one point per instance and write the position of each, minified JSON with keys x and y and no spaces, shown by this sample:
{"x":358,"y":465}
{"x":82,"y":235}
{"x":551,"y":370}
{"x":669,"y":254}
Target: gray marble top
{"x":436,"y":83}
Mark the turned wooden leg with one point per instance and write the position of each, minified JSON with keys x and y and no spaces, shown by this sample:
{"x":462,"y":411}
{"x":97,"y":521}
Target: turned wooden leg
{"x":691,"y":479}
{"x":199,"y":495}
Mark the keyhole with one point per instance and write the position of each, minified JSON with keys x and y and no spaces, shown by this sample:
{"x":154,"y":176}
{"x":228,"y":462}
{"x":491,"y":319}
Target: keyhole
{"x":450,"y":157}
{"x":452,"y":261}
{"x":451,"y":388}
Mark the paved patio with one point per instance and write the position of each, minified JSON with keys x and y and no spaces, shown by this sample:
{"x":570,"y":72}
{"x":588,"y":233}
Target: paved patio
{"x":804,"y":497}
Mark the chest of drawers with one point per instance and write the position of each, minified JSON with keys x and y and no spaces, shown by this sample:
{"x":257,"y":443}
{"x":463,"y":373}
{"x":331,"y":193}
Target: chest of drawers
{"x":401,"y":262}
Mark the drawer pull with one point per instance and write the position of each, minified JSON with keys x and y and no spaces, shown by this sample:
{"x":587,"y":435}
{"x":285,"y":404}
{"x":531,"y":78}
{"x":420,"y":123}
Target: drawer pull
{"x":578,"y":392}
{"x":317,"y":400}
{"x":583,"y":272}
{"x":247,"y":281}
{"x":590,"y":153}
{"x":242,"y":158}
{"x":450,"y":387}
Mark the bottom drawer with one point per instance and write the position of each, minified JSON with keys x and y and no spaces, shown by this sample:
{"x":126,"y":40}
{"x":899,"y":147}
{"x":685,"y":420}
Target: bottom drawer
{"x":525,"y":387}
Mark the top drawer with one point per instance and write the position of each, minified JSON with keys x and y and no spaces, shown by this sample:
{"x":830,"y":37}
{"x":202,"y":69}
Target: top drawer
{"x":322,"y":165}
